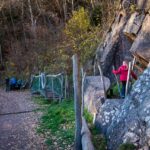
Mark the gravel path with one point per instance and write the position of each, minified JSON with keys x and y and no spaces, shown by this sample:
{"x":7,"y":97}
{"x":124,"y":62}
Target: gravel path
{"x":18,"y":122}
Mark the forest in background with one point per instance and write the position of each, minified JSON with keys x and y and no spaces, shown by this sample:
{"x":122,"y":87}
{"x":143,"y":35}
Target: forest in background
{"x":42,"y":35}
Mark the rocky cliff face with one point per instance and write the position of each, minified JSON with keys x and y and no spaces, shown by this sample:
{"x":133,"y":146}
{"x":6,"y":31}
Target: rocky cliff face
{"x":127,"y":120}
{"x":129,"y":34}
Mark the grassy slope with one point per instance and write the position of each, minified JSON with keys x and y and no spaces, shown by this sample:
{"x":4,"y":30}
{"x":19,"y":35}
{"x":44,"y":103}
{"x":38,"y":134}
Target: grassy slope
{"x":57,"y":123}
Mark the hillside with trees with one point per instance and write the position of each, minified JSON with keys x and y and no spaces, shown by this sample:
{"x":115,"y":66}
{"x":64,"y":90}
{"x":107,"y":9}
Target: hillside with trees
{"x":37,"y":35}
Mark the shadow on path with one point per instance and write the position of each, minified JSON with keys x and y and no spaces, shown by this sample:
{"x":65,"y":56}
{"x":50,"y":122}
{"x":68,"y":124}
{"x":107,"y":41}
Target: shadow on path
{"x":18,"y":122}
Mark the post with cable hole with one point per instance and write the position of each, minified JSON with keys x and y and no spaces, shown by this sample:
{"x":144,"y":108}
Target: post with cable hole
{"x":77,"y":102}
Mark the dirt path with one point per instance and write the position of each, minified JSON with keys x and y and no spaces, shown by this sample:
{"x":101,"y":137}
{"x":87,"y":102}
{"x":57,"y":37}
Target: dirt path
{"x":18,"y":122}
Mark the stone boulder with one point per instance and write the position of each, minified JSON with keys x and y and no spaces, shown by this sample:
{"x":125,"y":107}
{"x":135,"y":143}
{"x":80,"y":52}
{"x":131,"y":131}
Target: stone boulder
{"x":129,"y":120}
{"x":94,"y":92}
{"x":133,"y":25}
{"x":128,"y":34}
{"x":139,"y":4}
{"x":143,"y":4}
{"x":115,"y":46}
{"x":106,"y":113}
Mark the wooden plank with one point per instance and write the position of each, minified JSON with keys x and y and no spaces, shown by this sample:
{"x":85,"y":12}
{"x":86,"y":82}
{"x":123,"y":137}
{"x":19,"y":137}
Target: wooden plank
{"x":139,"y":68}
{"x":142,"y":61}
{"x":77,"y":103}
{"x":86,"y":137}
{"x":133,"y":62}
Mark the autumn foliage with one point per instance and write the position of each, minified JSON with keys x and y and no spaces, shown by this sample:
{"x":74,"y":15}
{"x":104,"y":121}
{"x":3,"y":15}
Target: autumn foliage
{"x":37,"y":35}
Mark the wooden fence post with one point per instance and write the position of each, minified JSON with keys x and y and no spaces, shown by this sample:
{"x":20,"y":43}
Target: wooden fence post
{"x":66,"y":86}
{"x":77,"y":103}
{"x":62,"y":93}
{"x":53,"y":87}
{"x":117,"y":82}
{"x":1,"y":58}
{"x":128,"y":78}
{"x":133,"y":62}
{"x":102,"y":79}
{"x":82,"y":88}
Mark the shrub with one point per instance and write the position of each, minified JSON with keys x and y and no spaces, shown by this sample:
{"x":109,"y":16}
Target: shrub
{"x":83,"y":38}
{"x":96,"y":16}
{"x":127,"y":146}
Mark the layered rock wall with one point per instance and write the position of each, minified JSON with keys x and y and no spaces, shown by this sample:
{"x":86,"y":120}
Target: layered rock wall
{"x":128,"y":35}
{"x":127,"y":120}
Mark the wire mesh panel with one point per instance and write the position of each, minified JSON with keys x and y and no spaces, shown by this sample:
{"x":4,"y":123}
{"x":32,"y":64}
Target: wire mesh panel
{"x":49,"y":86}
{"x":35,"y":85}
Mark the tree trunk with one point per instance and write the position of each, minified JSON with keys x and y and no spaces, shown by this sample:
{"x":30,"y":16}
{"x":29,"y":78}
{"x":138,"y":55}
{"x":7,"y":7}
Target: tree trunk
{"x":128,"y":79}
{"x":1,"y":58}
{"x":92,"y":3}
{"x":65,"y":9}
{"x":77,"y":103}
{"x":12,"y":20}
{"x":24,"y":34}
{"x":72,"y":3}
{"x":31,"y":17}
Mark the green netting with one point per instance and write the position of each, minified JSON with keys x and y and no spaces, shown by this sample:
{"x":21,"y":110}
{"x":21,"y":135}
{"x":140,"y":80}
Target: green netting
{"x":52,"y":83}
{"x":35,"y":87}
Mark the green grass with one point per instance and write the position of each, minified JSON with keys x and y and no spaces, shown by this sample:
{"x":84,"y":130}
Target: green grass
{"x":41,"y":101}
{"x":113,"y":92}
{"x":57,"y":123}
{"x":88,"y":116}
{"x":98,"y":139}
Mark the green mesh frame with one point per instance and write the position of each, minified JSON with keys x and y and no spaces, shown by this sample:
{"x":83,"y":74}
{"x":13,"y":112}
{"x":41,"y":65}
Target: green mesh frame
{"x":35,"y":86}
{"x":54,"y":83}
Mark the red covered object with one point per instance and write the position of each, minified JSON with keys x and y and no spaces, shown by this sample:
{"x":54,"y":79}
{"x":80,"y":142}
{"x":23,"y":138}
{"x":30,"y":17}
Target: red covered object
{"x":123,"y":71}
